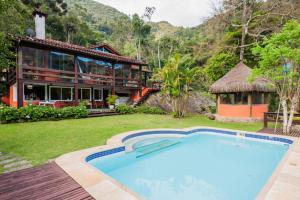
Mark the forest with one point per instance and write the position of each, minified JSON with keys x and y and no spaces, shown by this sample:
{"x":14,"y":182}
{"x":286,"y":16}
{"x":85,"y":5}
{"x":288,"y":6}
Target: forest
{"x":215,"y":46}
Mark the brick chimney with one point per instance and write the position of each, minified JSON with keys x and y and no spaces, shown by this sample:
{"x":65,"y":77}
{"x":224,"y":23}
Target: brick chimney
{"x":40,"y":21}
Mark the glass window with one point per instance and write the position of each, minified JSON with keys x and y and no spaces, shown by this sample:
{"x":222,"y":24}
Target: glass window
{"x":61,"y":61}
{"x":86,"y":94}
{"x":257,"y":98}
{"x":66,"y":94}
{"x":34,"y":92}
{"x":122,"y":70}
{"x":57,"y":93}
{"x":98,"y":94}
{"x":32,"y":57}
{"x":92,"y":66}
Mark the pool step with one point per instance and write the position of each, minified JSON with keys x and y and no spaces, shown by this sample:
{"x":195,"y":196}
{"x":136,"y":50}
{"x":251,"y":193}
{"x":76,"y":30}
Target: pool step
{"x":150,"y":148}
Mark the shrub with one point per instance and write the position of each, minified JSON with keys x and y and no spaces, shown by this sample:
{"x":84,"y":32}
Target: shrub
{"x":39,"y":113}
{"x":125,"y":109}
{"x":111,"y":99}
{"x":150,"y":110}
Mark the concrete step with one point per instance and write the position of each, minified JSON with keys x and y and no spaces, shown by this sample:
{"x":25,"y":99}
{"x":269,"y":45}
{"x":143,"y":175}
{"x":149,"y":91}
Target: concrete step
{"x":18,"y":168}
{"x":10,"y":160}
{"x":16,"y":164}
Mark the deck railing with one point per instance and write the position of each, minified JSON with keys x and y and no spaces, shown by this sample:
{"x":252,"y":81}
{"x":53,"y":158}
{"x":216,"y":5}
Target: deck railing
{"x":273,"y":117}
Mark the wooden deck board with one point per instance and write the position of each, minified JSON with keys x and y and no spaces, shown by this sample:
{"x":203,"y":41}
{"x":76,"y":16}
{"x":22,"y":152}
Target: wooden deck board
{"x":45,"y":182}
{"x":295,"y":133}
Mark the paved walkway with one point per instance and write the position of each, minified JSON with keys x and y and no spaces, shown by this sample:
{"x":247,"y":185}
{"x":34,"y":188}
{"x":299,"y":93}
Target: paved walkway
{"x":10,"y":163}
{"x":44,"y":182}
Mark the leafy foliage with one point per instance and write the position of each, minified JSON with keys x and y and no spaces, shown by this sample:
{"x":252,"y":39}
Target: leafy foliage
{"x":39,"y":113}
{"x":127,"y":109}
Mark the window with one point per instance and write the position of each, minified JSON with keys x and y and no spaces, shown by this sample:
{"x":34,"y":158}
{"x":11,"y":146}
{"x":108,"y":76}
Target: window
{"x":122,"y":70}
{"x":102,"y":49}
{"x":61,"y":61}
{"x":32,"y":57}
{"x":98,"y":94}
{"x":34,"y":92}
{"x":92,"y":66}
{"x":58,"y":93}
{"x":84,"y":94}
{"x":241,"y":98}
{"x":236,"y":98}
{"x":258,"y":98}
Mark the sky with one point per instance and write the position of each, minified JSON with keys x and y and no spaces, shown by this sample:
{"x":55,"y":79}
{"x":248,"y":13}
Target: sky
{"x":185,"y":13}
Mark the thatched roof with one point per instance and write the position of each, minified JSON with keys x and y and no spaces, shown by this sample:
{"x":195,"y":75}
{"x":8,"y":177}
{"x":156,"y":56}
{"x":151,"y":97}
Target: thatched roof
{"x":236,"y":80}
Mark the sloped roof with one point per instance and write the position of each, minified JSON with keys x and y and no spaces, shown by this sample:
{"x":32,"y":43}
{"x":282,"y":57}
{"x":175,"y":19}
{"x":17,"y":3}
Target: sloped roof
{"x":236,"y":80}
{"x":107,"y":46}
{"x":77,"y":49}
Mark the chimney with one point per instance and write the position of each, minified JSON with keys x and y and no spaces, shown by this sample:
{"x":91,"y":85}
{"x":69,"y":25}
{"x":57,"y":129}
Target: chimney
{"x":40,"y":20}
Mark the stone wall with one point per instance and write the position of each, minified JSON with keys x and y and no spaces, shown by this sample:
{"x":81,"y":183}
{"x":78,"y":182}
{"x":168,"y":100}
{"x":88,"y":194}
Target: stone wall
{"x":197,"y":104}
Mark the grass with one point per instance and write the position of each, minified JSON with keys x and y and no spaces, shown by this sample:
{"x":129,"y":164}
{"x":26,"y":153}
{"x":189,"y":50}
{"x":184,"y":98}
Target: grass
{"x":40,"y":141}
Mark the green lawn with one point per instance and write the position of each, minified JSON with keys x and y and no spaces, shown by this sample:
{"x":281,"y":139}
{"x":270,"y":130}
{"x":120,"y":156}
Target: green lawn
{"x":40,"y":141}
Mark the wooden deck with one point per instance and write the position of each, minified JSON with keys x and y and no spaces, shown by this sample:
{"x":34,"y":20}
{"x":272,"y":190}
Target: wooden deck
{"x":48,"y":181}
{"x":295,"y":133}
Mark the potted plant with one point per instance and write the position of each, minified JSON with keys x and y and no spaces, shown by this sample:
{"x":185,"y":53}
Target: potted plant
{"x":111,"y":100}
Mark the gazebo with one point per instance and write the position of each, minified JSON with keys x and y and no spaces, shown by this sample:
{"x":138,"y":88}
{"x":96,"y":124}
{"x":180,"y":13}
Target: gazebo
{"x":238,"y":99}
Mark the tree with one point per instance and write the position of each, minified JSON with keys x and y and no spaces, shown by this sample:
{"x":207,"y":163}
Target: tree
{"x":280,"y":63}
{"x":141,"y":31}
{"x":178,"y":79}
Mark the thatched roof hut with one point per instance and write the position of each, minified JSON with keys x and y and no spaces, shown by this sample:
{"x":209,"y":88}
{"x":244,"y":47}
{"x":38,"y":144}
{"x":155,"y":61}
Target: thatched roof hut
{"x":236,"y":80}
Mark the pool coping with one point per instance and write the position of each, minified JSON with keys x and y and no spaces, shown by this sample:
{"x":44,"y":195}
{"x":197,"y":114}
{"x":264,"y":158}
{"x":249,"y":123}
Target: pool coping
{"x":284,"y":182}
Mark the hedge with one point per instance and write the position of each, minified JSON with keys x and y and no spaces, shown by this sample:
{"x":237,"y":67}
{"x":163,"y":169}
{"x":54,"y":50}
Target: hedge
{"x":40,"y":113}
{"x":126,"y":109}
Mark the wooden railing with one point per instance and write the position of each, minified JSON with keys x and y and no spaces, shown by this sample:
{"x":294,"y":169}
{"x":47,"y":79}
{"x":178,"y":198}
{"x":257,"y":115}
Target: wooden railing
{"x":127,"y":82}
{"x":272,"y":117}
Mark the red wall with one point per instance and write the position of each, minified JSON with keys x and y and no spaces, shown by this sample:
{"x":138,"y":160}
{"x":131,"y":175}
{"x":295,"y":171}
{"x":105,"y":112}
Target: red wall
{"x":243,"y":111}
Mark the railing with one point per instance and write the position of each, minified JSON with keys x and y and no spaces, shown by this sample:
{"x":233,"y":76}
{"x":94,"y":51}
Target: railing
{"x":154,"y":85}
{"x":127,"y":82}
{"x":272,"y":117}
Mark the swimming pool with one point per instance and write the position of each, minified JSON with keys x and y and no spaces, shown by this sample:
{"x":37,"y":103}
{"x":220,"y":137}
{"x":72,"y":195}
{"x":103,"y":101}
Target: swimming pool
{"x":203,"y":165}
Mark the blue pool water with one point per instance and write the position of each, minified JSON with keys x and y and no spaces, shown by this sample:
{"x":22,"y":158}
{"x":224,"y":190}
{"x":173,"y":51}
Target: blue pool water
{"x":201,"y":166}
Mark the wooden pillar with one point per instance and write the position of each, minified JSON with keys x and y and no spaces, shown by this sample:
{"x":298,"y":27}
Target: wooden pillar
{"x":113,"y":91}
{"x":20,"y":83}
{"x":250,"y":103}
{"x":140,"y":80}
{"x":217,"y":103}
{"x":75,"y":80}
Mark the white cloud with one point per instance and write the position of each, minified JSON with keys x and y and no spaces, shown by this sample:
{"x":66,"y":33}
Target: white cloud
{"x":177,"y":12}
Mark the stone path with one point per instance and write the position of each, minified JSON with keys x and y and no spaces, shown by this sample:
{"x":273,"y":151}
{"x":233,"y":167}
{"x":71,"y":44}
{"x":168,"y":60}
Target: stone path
{"x":11,"y":162}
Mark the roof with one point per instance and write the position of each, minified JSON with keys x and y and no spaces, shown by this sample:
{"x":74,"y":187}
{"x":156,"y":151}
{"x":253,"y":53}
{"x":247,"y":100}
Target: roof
{"x":144,"y":68}
{"x":77,"y":49}
{"x":236,"y":80}
{"x":107,"y":46}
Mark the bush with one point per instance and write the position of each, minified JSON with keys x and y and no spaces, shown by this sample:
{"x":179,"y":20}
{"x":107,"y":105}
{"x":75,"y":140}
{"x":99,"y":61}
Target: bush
{"x":150,"y":110}
{"x":39,"y":113}
{"x":125,"y":109}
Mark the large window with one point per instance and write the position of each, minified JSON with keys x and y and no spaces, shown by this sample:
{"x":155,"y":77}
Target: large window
{"x":84,"y":94}
{"x":98,"y":94}
{"x":34,"y":92}
{"x":61,"y":93}
{"x":32,"y":57}
{"x":61,"y":61}
{"x":236,"y":98}
{"x":122,"y":70}
{"x":92,"y":66}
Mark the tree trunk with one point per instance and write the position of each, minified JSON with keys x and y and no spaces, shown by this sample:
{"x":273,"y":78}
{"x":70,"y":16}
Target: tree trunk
{"x":158,"y":54}
{"x":139,"y":49}
{"x":294,"y":104}
{"x":285,"y":115}
{"x":242,"y":50}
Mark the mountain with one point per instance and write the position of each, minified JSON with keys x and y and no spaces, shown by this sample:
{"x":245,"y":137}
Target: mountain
{"x":99,"y":16}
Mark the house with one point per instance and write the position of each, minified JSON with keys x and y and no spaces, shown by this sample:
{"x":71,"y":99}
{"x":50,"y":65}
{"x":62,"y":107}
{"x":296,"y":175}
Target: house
{"x":241,"y":100}
{"x":51,"y":72}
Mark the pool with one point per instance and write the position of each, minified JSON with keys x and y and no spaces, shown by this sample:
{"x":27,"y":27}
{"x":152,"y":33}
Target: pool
{"x":203,"y":165}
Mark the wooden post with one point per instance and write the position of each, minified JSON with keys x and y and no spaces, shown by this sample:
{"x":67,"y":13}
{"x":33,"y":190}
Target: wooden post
{"x":20,"y":83}
{"x":250,"y":103}
{"x":140,"y":80}
{"x":113,"y":92}
{"x":265,"y":120}
{"x":217,"y":102}
{"x":75,"y":80}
